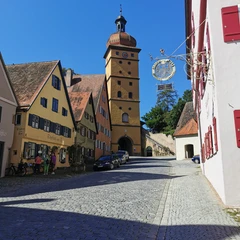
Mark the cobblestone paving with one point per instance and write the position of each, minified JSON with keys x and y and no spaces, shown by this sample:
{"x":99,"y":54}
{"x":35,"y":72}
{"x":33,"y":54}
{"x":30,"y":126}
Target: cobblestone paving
{"x":124,"y":204}
{"x":121,"y":204}
{"x":193,"y":210}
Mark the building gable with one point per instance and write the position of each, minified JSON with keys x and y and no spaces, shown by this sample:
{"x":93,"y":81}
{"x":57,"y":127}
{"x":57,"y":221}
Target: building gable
{"x":6,"y":91}
{"x":53,"y":98}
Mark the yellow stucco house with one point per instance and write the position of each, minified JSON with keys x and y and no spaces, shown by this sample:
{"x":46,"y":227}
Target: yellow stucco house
{"x":45,"y":119}
{"x":84,"y":113}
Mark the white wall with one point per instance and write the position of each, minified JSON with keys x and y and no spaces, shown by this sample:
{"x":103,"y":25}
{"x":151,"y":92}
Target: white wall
{"x":180,"y":146}
{"x":226,"y":58}
{"x":6,"y":131}
{"x":220,"y":100}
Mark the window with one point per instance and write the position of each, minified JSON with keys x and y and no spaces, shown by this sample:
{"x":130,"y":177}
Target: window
{"x":130,"y":95}
{"x":129,"y":73}
{"x":91,"y":118}
{"x":120,"y":72}
{"x":124,"y":117}
{"x":119,"y":82}
{"x":129,"y":63}
{"x":129,"y":108}
{"x":62,"y":155}
{"x":55,"y":105}
{"x":120,"y":107}
{"x":35,"y":121}
{"x":29,"y":150}
{"x":117,"y":53}
{"x":102,"y":129}
{"x":57,"y":129}
{"x":43,"y":148}
{"x":64,"y":111}
{"x":65,"y":131}
{"x":56,"y":83}
{"x":83,"y":131}
{"x":43,"y":102}
{"x":132,"y":54}
{"x":130,"y":83}
{"x":0,"y":113}
{"x":83,"y":151}
{"x":46,"y":126}
{"x":86,"y":115}
{"x":119,"y":94}
{"x":18,"y":118}
{"x":120,"y":62}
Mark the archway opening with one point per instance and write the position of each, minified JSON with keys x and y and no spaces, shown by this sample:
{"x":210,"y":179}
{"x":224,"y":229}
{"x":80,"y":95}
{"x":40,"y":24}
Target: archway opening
{"x":125,"y":143}
{"x":189,"y":151}
{"x":149,"y":151}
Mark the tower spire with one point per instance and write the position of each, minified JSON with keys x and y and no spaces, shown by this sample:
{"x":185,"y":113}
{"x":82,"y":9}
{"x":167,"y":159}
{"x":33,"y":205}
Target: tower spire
{"x":120,"y":9}
{"x":120,"y":21}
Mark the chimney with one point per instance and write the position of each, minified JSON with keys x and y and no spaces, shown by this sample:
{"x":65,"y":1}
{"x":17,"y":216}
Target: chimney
{"x":68,"y":77}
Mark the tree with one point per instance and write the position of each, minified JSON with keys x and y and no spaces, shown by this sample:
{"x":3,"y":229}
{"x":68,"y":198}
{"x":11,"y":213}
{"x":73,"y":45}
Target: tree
{"x":173,"y":116}
{"x":166,"y":99}
{"x":155,"y":119}
{"x":165,"y":115}
{"x":187,"y":96}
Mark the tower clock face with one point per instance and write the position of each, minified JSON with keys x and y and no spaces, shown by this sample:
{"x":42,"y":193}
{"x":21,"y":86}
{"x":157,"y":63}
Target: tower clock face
{"x":124,"y":55}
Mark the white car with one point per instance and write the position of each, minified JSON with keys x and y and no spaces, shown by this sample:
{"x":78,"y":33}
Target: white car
{"x":125,"y":154}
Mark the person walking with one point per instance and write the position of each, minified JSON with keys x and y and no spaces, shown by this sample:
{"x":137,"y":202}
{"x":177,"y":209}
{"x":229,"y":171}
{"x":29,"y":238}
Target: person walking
{"x":38,"y":161}
{"x":53,"y":162}
{"x":46,"y":160}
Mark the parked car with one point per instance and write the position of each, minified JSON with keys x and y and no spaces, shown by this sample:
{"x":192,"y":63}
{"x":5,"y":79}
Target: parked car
{"x":122,"y":157}
{"x":106,"y":162}
{"x":196,"y":159}
{"x":123,"y":152}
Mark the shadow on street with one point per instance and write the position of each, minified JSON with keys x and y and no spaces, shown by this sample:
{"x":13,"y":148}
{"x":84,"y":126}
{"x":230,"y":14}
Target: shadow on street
{"x":32,"y":223}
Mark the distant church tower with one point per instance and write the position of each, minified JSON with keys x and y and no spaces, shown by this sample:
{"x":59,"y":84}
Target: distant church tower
{"x":123,"y":89}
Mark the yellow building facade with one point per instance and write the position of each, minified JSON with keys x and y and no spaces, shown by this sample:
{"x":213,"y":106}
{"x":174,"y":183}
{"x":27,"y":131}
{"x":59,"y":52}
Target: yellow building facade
{"x":84,"y":113}
{"x":122,"y":74}
{"x":45,"y":120}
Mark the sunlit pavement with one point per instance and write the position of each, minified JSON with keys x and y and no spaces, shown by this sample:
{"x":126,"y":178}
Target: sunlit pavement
{"x":147,"y":198}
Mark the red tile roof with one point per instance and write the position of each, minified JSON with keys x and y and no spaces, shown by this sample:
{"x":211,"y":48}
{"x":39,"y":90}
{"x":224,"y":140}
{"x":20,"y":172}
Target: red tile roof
{"x":89,"y":83}
{"x":187,"y":124}
{"x":191,"y":128}
{"x":79,"y":101}
{"x":28,"y":79}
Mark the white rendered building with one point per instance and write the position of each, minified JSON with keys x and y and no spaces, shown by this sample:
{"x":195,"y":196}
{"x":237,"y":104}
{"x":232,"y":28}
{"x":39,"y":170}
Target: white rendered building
{"x":213,"y":45}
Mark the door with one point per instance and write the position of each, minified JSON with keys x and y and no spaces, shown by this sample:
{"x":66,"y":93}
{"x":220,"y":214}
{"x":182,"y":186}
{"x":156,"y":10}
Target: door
{"x":1,"y":155}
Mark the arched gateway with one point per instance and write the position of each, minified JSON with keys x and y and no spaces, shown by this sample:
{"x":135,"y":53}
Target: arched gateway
{"x":125,"y":143}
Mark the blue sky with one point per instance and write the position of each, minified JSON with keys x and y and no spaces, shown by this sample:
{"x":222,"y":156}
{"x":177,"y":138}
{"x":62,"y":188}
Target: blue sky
{"x":76,"y":32}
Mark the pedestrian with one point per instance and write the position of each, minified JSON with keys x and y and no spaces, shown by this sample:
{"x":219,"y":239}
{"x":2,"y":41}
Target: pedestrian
{"x":38,"y":161}
{"x":53,"y":162}
{"x":46,"y":160}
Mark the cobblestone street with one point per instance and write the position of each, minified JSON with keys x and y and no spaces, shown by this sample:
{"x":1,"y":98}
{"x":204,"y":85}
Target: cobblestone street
{"x":146,"y":199}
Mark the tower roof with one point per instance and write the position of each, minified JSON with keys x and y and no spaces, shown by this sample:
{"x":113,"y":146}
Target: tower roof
{"x":120,"y":37}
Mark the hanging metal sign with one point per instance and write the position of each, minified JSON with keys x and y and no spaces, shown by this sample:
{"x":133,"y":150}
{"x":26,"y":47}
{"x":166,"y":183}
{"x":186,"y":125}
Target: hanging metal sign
{"x":168,"y":86}
{"x":163,"y":69}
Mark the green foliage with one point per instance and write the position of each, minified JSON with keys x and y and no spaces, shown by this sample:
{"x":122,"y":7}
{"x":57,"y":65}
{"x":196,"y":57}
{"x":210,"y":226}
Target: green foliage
{"x":155,"y":119}
{"x":165,"y":115}
{"x":166,"y":99}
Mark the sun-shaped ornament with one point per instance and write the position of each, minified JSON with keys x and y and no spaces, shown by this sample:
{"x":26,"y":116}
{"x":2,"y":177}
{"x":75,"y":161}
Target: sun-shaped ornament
{"x":163,"y":69}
